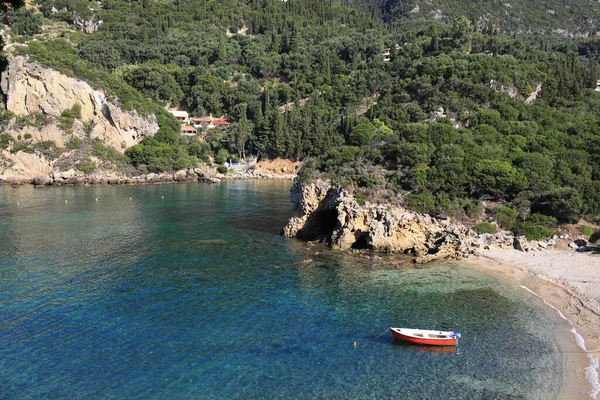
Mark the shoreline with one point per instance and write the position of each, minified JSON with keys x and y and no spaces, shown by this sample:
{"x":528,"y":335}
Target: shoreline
{"x":74,"y":178}
{"x":544,"y":275}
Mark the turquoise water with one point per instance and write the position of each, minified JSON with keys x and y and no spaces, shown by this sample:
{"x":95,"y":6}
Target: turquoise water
{"x":196,"y":296}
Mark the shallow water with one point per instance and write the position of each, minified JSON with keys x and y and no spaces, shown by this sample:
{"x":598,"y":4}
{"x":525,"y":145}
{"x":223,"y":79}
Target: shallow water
{"x":195,"y":295}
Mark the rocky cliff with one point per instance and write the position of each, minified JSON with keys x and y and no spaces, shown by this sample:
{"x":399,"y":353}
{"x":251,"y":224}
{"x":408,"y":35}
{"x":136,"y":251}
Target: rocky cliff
{"x":30,"y":88}
{"x":37,"y":96}
{"x":324,"y":212}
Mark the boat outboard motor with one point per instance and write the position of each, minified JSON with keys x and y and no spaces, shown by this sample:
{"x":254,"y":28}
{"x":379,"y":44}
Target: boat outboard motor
{"x":457,"y":335}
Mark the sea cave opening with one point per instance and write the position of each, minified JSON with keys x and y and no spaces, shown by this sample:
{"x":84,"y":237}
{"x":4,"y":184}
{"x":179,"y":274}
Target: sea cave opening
{"x":319,"y":226}
{"x":361,"y":242}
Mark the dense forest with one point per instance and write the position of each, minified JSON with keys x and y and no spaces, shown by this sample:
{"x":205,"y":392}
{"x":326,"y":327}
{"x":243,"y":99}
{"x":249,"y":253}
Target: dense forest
{"x":459,"y":113}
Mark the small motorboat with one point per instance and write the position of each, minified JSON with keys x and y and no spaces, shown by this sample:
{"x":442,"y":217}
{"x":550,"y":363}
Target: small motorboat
{"x":422,"y":336}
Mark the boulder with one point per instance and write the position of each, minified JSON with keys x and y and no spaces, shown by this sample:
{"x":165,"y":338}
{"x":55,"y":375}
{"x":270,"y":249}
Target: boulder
{"x":520,"y":243}
{"x":180,"y":176}
{"x":42,"y":180}
{"x":152,"y":177}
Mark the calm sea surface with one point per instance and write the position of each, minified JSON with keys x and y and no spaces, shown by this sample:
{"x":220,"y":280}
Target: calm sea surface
{"x":196,"y":296}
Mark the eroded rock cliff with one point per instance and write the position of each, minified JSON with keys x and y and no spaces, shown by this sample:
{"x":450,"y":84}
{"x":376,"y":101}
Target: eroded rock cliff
{"x":30,"y":88}
{"x":38,"y":96}
{"x":328,"y":213}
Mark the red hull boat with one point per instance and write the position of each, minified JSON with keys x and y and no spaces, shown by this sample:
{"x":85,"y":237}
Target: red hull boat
{"x":422,"y":336}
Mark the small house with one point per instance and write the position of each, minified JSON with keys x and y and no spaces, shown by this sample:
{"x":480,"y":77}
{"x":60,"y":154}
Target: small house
{"x":220,"y":122}
{"x":205,"y":123}
{"x":387,"y":52}
{"x":180,"y":115}
{"x":188,"y":130}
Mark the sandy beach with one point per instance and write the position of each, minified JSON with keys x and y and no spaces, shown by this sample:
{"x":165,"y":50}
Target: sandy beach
{"x":569,"y":282}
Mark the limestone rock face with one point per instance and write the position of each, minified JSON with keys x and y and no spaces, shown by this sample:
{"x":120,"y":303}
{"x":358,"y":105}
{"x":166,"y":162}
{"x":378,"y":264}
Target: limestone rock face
{"x":23,"y":166}
{"x":325,"y":212}
{"x":87,"y":25}
{"x":31,"y":88}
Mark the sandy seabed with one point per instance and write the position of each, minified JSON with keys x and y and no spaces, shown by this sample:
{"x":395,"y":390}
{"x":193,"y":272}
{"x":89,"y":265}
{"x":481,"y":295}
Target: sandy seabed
{"x":569,"y":282}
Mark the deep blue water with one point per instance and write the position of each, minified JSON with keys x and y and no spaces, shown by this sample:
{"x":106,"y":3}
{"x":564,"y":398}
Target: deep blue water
{"x":196,"y":296}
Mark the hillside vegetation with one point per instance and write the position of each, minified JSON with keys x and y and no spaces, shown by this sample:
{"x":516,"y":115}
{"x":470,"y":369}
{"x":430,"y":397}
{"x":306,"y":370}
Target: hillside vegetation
{"x":574,"y":17}
{"x":461,"y":113}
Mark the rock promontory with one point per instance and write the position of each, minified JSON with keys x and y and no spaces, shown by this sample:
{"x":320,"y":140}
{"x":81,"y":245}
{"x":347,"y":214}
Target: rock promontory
{"x":327,"y":213}
{"x":323,"y":211}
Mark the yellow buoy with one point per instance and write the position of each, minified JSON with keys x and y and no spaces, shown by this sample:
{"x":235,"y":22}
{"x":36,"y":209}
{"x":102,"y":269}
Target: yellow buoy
{"x":96,"y":199}
{"x":130,"y":198}
{"x":354,"y":344}
{"x":162,"y":197}
{"x":66,"y":201}
{"x":18,"y":202}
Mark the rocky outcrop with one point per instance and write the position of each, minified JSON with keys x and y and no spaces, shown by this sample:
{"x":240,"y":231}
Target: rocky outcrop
{"x":90,"y":25}
{"x":22,"y":165}
{"x":31,"y":88}
{"x":327,"y":213}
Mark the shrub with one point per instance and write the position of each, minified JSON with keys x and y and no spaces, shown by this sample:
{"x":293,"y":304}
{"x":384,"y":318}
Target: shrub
{"x":222,"y":169}
{"x":48,"y":148}
{"x":75,"y":143}
{"x":472,"y":208}
{"x":6,"y":116}
{"x":586,"y":230}
{"x":222,"y":156}
{"x":506,"y":217}
{"x":485,"y":227}
{"x":532,"y":231}
{"x":536,"y":227}
{"x":199,"y":150}
{"x":420,"y":202}
{"x":86,"y":166}
{"x":5,"y":140}
{"x":564,"y":203}
{"x":362,"y":135}
{"x":38,"y":119}
{"x":360,"y":199}
{"x":307,"y":171}
{"x":68,"y":117}
{"x":87,"y":128}
{"x":543,"y":220}
{"x":23,"y":121}
{"x":106,"y":153}
{"x":22,"y":147}
{"x":369,"y":180}
{"x":45,"y":145}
